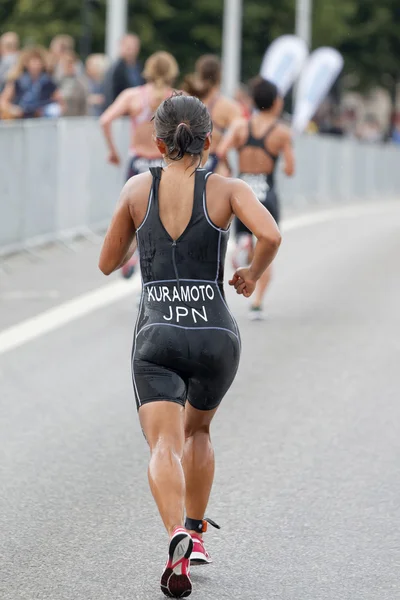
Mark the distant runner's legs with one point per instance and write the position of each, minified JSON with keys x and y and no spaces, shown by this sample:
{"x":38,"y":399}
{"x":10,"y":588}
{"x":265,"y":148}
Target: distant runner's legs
{"x":243,"y":255}
{"x":260,"y":291}
{"x":256,"y":312}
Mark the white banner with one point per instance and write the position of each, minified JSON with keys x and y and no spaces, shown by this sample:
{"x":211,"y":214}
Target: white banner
{"x":319,"y":75}
{"x":283,"y":61}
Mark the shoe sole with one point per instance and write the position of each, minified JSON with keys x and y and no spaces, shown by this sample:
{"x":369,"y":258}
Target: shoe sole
{"x":174,"y":583}
{"x":128,"y":273}
{"x":257,"y":317}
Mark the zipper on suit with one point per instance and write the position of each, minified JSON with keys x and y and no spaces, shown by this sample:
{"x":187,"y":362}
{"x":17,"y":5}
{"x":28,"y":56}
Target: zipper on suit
{"x":174,"y":263}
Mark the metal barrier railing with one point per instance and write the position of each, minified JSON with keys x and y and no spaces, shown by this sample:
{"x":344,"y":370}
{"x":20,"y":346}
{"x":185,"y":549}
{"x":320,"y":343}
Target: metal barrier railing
{"x":55,"y":182}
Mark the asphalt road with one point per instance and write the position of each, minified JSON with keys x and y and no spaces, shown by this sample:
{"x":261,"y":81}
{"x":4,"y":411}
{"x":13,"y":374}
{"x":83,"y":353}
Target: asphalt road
{"x":307,"y":487}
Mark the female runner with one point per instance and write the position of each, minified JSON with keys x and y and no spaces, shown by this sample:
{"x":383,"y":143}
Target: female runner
{"x":260,"y":142}
{"x":205,"y":84}
{"x":140,"y":103}
{"x":186,"y":345}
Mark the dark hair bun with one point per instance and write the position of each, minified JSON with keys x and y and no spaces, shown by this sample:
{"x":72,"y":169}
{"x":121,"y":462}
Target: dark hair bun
{"x":185,"y":142}
{"x":183,"y":123}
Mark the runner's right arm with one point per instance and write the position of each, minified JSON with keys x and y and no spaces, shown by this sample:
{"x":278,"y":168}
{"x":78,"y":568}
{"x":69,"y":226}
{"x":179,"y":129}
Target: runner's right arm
{"x":232,"y":138}
{"x":233,"y":112}
{"x":120,"y":107}
{"x":120,"y":241}
{"x":258,"y":219}
{"x":288,"y":155}
{"x":120,"y":235}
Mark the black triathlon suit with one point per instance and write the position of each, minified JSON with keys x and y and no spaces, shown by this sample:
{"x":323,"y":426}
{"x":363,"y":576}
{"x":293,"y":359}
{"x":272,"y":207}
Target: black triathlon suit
{"x":262,"y":184}
{"x":186,"y":344}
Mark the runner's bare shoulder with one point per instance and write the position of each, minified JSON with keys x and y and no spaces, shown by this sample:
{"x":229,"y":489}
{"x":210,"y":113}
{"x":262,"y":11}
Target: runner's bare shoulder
{"x":241,"y":129}
{"x":218,"y":193}
{"x":284,"y":131}
{"x":133,"y":100}
{"x":227,"y":111}
{"x":137,"y":185}
{"x":136,"y":194}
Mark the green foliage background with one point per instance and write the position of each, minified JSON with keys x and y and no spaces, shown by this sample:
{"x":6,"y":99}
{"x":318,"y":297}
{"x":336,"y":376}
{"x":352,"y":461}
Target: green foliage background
{"x":365,"y":31}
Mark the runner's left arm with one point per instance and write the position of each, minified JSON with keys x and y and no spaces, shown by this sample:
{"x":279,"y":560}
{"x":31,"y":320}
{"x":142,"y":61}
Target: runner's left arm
{"x":246,"y":206}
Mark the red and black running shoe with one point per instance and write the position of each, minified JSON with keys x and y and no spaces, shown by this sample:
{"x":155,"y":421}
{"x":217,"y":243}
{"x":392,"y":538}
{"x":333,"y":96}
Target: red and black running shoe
{"x":175,"y":581}
{"x":199,"y":555}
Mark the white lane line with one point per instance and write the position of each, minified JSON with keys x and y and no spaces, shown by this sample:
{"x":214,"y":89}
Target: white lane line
{"x":51,"y":319}
{"x":30,"y":295}
{"x":345,"y":212}
{"x":82,"y":305}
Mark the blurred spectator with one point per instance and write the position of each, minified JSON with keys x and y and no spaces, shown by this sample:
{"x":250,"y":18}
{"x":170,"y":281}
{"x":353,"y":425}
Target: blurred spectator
{"x":96,"y":67}
{"x":312,"y":128}
{"x":61,"y":45}
{"x":371,"y":130}
{"x":126,"y":71}
{"x":9,"y":51}
{"x":72,"y":87}
{"x":396,"y":129}
{"x":30,"y":91}
{"x":349,"y":116}
{"x":333,"y":124}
